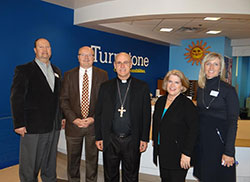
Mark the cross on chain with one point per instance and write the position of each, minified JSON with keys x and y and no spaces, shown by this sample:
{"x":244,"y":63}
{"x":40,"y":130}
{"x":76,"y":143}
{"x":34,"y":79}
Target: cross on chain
{"x":121,"y":110}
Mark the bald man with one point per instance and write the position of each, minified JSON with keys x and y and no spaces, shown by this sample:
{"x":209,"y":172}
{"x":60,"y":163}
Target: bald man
{"x":122,"y":122}
{"x":36,"y":114}
{"x":78,"y":99}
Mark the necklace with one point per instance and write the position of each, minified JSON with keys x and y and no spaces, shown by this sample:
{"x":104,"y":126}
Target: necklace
{"x":122,"y":109}
{"x":211,"y":101}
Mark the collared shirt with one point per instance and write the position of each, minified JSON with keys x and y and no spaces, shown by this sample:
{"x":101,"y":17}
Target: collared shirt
{"x":48,"y":73}
{"x":81,"y":74}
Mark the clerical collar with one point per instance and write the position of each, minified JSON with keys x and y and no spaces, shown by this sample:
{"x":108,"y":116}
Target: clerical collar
{"x":123,"y":81}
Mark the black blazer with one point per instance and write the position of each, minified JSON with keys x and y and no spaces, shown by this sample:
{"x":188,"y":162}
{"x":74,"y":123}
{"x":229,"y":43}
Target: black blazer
{"x":33,"y":104}
{"x":178,"y":130}
{"x":140,"y":109}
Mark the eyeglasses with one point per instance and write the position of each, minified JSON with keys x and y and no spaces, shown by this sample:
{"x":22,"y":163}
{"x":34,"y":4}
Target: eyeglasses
{"x":83,"y":55}
{"x":42,"y":47}
{"x":124,"y":63}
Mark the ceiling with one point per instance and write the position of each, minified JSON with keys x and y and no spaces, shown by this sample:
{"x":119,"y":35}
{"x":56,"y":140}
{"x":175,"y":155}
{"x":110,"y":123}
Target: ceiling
{"x":74,"y":4}
{"x":145,"y":24}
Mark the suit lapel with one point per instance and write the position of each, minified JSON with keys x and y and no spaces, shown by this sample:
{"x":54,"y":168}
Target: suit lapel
{"x":40,"y":74}
{"x":162,"y":106}
{"x":132,"y":92}
{"x":75,"y":81}
{"x":113,"y":93}
{"x":112,"y":96}
{"x":57,"y":79}
{"x":133,"y":100}
{"x":172,"y":106}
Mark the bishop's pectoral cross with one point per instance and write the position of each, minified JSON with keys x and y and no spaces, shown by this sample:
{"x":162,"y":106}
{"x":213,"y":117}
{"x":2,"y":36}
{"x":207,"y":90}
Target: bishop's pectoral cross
{"x":121,"y":110}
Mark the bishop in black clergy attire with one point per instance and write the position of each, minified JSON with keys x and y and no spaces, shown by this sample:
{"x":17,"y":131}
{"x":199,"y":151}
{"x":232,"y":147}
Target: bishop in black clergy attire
{"x":122,"y":122}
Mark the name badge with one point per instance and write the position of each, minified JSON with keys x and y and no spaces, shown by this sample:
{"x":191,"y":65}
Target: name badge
{"x":214,"y":93}
{"x":56,"y":75}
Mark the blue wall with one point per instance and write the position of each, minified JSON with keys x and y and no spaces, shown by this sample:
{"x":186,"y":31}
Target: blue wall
{"x":241,"y":82}
{"x":24,"y":21}
{"x":242,"y":79}
{"x":9,"y":143}
{"x":234,"y":67}
{"x":177,"y":59}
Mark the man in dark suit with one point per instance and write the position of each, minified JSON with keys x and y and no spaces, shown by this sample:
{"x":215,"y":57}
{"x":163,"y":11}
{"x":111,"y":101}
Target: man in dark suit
{"x":78,"y":99}
{"x":122,"y":122}
{"x":36,"y":114}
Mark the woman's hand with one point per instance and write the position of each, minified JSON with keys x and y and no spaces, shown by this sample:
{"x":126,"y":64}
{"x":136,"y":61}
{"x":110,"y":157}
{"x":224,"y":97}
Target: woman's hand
{"x":185,"y":161}
{"x":227,"y":160}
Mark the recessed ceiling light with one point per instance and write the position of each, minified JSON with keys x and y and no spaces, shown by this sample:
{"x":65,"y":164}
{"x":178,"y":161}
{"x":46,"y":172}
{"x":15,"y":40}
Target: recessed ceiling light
{"x":213,"y":32}
{"x":166,"y":29}
{"x":212,"y":18}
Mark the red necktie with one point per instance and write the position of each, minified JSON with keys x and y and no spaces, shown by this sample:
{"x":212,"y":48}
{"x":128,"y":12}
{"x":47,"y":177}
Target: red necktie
{"x":85,"y":96}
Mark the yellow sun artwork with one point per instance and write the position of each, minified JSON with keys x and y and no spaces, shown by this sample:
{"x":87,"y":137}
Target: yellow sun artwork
{"x":196,"y":52}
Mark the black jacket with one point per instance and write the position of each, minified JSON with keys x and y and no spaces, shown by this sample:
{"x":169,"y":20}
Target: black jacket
{"x":33,"y":104}
{"x":140,"y":110}
{"x":178,"y":130}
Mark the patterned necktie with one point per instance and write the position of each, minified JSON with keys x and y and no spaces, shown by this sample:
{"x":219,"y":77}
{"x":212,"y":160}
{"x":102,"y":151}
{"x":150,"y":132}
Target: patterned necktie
{"x":85,"y":96}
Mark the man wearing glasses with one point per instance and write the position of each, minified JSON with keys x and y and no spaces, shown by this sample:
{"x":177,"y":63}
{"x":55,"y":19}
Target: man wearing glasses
{"x":122,"y":122}
{"x":78,"y":99}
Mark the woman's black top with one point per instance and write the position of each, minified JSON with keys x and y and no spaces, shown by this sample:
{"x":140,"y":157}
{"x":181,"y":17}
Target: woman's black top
{"x":224,"y":108}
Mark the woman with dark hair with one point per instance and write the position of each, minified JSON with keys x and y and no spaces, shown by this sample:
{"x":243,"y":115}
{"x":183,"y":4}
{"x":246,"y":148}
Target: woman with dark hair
{"x":175,"y":126}
{"x":218,"y":108}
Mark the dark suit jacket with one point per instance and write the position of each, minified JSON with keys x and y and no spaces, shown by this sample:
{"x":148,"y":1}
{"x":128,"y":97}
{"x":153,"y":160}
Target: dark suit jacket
{"x":140,"y":109}
{"x":178,"y":130}
{"x":33,"y":103}
{"x":70,"y":98}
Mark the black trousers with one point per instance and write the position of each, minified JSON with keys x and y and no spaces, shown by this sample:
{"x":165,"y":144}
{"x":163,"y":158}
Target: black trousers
{"x":121,"y":150}
{"x":174,"y":175}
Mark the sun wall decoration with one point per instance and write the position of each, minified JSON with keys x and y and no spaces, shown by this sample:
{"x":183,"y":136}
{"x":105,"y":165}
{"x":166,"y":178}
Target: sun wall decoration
{"x":196,"y":52}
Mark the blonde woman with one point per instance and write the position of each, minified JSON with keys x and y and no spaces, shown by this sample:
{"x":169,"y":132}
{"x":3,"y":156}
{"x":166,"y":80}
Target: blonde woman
{"x":218,"y":108}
